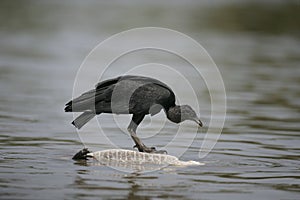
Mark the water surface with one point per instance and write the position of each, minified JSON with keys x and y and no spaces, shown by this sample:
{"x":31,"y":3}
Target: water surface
{"x":42,"y":46}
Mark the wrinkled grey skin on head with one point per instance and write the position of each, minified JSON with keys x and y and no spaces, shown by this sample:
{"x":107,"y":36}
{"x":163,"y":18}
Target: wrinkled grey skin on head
{"x":179,"y":114}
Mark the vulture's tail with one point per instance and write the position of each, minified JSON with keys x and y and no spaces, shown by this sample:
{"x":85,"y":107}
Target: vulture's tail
{"x":82,"y":119}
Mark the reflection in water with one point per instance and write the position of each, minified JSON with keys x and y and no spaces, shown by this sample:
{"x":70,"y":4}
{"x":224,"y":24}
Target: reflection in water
{"x":134,"y":190}
{"x":257,"y":156}
{"x":131,"y":192}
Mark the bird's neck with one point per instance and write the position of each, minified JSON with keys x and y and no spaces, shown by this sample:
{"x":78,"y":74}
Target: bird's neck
{"x":173,"y":114}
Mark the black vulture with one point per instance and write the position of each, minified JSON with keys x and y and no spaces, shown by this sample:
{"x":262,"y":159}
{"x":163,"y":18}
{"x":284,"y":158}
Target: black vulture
{"x":136,"y":95}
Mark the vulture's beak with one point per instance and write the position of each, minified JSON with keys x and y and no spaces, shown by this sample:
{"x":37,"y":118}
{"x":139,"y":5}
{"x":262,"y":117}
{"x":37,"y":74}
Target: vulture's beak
{"x":198,"y":121}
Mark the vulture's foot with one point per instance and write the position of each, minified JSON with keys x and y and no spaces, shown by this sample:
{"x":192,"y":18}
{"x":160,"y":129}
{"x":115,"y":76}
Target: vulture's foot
{"x":146,"y":149}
